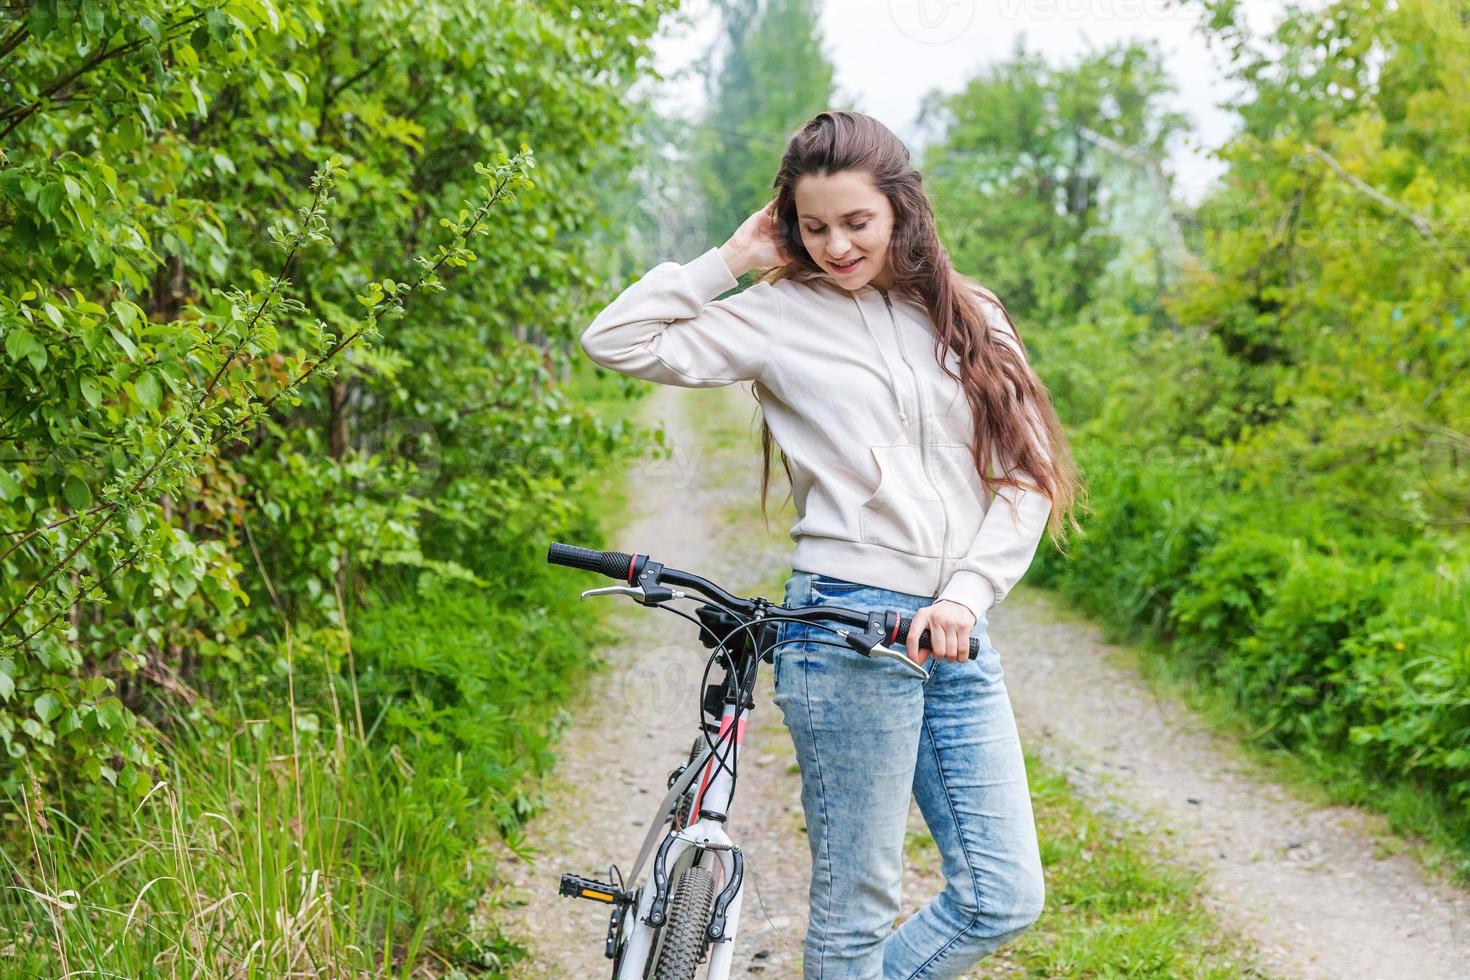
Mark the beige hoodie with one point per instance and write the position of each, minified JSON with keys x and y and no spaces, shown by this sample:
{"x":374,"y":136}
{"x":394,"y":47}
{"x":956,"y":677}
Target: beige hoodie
{"x":876,"y":435}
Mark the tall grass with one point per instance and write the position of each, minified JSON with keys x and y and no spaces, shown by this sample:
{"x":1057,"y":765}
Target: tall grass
{"x":346,"y":836}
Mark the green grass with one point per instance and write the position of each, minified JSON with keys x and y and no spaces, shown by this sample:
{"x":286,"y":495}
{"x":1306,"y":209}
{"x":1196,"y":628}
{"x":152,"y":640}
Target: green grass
{"x":726,"y":420}
{"x":618,"y":400}
{"x":1403,"y":818}
{"x":1333,"y":650}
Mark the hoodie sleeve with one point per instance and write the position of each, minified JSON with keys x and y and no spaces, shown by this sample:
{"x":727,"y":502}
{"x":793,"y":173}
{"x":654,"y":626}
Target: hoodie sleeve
{"x":1005,"y":545}
{"x":666,"y":326}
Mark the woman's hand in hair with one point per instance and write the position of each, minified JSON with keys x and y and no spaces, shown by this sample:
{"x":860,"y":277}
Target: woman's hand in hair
{"x":949,"y":624}
{"x":756,"y":244}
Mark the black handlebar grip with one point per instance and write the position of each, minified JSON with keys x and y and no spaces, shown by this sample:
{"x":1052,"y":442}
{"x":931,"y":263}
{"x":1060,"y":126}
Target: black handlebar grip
{"x":613,"y":564}
{"x":903,"y":637}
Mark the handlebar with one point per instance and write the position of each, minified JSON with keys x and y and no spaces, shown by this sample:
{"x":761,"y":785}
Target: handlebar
{"x":652,"y":580}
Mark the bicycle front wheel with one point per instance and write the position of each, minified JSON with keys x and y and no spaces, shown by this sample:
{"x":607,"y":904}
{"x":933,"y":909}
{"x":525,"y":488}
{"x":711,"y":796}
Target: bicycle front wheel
{"x":684,"y":938}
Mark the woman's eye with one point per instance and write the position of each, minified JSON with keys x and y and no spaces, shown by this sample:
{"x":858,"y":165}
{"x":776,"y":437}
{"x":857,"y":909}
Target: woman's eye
{"x":860,"y":227}
{"x":818,"y":231}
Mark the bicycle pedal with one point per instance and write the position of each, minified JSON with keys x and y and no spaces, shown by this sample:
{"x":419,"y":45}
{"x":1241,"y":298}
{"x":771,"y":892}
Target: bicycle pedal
{"x":576,"y":886}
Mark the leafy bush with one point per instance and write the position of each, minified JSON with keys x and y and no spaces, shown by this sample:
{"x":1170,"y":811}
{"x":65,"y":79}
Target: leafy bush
{"x":213,"y":461}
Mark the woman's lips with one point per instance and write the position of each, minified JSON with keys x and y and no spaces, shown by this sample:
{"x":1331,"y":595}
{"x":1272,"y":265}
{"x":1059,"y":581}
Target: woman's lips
{"x":843,"y":270}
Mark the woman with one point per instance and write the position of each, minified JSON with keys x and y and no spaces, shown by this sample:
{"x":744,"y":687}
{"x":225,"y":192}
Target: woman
{"x":883,"y":447}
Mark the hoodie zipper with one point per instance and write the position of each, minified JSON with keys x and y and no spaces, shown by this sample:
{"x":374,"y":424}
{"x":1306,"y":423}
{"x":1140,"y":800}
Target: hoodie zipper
{"x":923,"y":440}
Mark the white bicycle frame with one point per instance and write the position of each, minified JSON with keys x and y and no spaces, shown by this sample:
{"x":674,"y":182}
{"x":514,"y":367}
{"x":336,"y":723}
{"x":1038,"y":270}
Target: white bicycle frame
{"x":681,"y":848}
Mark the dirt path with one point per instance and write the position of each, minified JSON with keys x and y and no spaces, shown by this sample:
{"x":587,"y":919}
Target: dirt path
{"x":1301,"y":881}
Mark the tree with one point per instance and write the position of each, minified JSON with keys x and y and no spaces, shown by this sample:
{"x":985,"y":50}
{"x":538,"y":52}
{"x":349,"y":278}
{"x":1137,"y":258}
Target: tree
{"x":772,"y":76}
{"x":1022,"y":172}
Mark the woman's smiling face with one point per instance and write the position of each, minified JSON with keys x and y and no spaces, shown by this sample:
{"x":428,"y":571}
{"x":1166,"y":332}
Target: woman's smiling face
{"x":846,"y":223}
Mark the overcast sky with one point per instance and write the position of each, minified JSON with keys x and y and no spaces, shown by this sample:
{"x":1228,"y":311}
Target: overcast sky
{"x":888,"y":53}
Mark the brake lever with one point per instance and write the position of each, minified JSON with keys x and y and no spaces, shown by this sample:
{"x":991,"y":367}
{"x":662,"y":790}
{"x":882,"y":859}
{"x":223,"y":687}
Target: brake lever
{"x":638,"y":594}
{"x":870,"y":644}
{"x":903,"y":658}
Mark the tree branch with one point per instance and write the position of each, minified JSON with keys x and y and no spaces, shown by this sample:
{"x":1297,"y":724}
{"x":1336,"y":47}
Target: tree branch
{"x":1421,"y":224}
{"x":16,"y":39}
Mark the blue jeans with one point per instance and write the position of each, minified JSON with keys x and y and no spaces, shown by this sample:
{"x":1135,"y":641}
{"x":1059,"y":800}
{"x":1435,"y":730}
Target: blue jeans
{"x":867,"y":736}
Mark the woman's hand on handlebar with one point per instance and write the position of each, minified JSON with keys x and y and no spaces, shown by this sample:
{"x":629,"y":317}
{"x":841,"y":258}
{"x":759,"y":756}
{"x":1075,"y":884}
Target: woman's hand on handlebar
{"x":756,"y":244}
{"x":949,"y":624}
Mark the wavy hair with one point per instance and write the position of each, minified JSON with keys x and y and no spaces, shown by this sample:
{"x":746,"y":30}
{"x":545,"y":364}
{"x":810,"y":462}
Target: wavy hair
{"x":1014,"y":420}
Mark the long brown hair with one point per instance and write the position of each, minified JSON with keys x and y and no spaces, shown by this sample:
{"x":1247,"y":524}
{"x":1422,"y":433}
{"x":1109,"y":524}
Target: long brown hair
{"x":998,"y":382}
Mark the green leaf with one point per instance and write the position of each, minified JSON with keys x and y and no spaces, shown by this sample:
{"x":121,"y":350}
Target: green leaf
{"x":147,"y":389}
{"x":47,"y":707}
{"x":42,"y":21}
{"x":109,"y":712}
{"x":199,"y":102}
{"x":20,"y":342}
{"x":49,"y":201}
{"x":90,"y":391}
{"x":77,"y":493}
{"x":296,"y":84}
{"x":184,"y":583}
{"x":124,"y":342}
{"x":127,"y":313}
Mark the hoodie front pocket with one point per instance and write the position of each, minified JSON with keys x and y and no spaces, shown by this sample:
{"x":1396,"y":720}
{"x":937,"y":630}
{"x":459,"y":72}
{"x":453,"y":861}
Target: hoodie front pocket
{"x":907,"y":512}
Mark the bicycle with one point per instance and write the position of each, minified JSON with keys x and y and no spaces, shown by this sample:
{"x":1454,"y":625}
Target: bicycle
{"x":686,"y":907}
